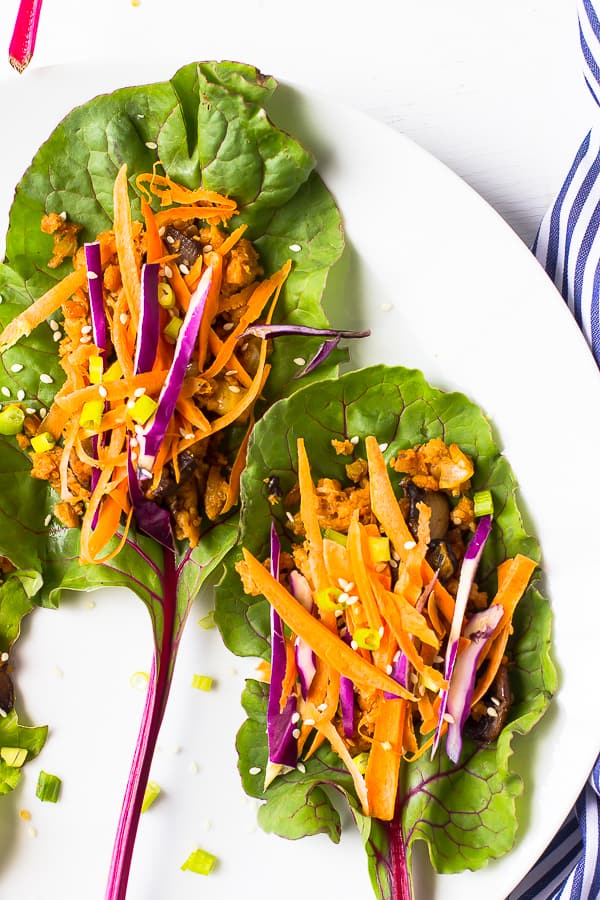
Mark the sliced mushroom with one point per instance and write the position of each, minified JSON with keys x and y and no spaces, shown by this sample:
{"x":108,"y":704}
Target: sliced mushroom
{"x":7,"y":694}
{"x":489,"y":716}
{"x":437,"y":503}
{"x":189,"y":250}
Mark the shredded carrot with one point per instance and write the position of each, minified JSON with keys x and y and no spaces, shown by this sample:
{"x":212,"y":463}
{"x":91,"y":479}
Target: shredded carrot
{"x":310,"y":519}
{"x":154,"y":245}
{"x":170,"y":192}
{"x":126,"y":251}
{"x":235,"y":476}
{"x":321,"y":639}
{"x":383,"y":767}
{"x":212,"y":304}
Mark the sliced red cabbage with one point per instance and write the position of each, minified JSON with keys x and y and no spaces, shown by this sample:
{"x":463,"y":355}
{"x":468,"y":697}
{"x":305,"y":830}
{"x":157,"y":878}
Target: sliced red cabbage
{"x":347,"y":696}
{"x":283,"y":747}
{"x":320,"y":356}
{"x":151,"y":518}
{"x":149,"y":323}
{"x":479,"y":629}
{"x":152,"y":437}
{"x":306,"y":661}
{"x":468,"y":571}
{"x":93,"y":263}
{"x":401,"y":666}
{"x":266,"y":331}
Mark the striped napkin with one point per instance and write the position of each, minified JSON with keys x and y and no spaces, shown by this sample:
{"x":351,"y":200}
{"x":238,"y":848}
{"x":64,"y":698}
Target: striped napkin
{"x":568,"y":246}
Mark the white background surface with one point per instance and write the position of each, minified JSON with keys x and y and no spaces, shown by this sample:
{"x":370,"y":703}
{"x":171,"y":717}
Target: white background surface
{"x":495,"y":92}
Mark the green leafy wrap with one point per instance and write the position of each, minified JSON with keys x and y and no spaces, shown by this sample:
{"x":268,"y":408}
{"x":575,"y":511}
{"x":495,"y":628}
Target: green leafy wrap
{"x":208,"y":125}
{"x":441,"y":803}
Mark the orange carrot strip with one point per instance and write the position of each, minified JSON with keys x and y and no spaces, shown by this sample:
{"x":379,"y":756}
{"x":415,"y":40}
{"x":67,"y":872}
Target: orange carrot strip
{"x":387,"y":511}
{"x":169,"y":191}
{"x":42,"y":308}
{"x":193,"y":414}
{"x":115,"y":390}
{"x":120,"y":336}
{"x":126,"y":251}
{"x":214,"y":344}
{"x":328,"y":730}
{"x":327,"y":645}
{"x":239,"y":463}
{"x":248,"y":398}
{"x":231,"y":241}
{"x":154,"y":245}
{"x":109,"y":517}
{"x":360,"y":574}
{"x":212,"y":304}
{"x":186,"y":213}
{"x":291,"y":673}
{"x":309,"y":516}
{"x":383,"y":767}
{"x":255,"y":306}
{"x":68,"y":445}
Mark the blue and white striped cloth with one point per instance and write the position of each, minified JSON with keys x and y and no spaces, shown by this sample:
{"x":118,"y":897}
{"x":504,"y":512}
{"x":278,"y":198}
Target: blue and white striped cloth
{"x":568,"y":246}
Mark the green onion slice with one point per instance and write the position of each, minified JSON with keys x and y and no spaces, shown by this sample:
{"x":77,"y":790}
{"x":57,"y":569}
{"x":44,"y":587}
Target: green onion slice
{"x":201,"y":862}
{"x":48,"y":787}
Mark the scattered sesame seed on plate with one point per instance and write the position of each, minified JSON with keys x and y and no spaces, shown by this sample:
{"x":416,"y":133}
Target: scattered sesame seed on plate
{"x":46,"y":379}
{"x":387,"y":307}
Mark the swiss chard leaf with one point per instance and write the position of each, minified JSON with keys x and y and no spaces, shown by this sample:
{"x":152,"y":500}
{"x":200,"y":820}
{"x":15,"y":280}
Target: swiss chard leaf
{"x":208,"y":126}
{"x":440,"y":802}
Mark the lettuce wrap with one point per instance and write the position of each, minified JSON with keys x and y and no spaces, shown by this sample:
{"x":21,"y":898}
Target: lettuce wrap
{"x":465,"y":812}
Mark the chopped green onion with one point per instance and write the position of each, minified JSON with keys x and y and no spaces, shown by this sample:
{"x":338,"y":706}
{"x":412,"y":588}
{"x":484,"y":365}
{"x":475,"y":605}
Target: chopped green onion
{"x":114,"y":372}
{"x":367,"y":638}
{"x":202,"y":682}
{"x":337,"y":536}
{"x":208,"y":621}
{"x":166,"y":297}
{"x":327,"y":599}
{"x":172,"y":329}
{"x":11,"y":420}
{"x":142,"y":409}
{"x":360,"y":761}
{"x":150,"y":794}
{"x":13,"y":756}
{"x":48,"y":787}
{"x":42,"y":442}
{"x":379,"y":548}
{"x":483,"y":503}
{"x":91,"y":414}
{"x":95,"y":369}
{"x":201,"y":862}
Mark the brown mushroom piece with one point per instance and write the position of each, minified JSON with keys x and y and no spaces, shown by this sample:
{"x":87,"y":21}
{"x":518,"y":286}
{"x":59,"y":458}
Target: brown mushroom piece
{"x":189,"y":250}
{"x":437,"y":503}
{"x":489,"y":715}
{"x":168,"y":485}
{"x":7,"y":694}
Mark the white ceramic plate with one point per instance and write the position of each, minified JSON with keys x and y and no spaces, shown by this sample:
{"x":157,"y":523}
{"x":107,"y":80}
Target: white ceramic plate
{"x":446,"y":286}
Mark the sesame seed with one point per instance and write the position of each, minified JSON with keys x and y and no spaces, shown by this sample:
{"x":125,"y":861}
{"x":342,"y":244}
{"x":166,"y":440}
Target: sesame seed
{"x":54,"y":326}
{"x":189,"y":436}
{"x":495,"y":701}
{"x":351,"y":600}
{"x":354,"y":440}
{"x":345,"y":585}
{"x":194,"y":767}
{"x":343,"y":598}
{"x":46,"y":379}
{"x":102,"y":391}
{"x":56,"y":337}
{"x":301,"y":768}
{"x":161,"y":231}
{"x":300,"y":361}
{"x":133,"y":442}
{"x":322,"y":707}
{"x":231,"y":372}
{"x":168,"y":271}
{"x":30,"y":411}
{"x":354,"y":645}
{"x":43,"y":411}
{"x":386,"y":307}
{"x":290,"y":516}
{"x":63,"y":215}
{"x":47,"y":520}
{"x":5,"y":392}
{"x":295,"y":248}
{"x":3,"y":713}
{"x":141,"y":116}
{"x":130,"y":404}
{"x":421,"y":690}
{"x":492,"y":713}
{"x":338,"y":613}
{"x":394,"y":563}
{"x":389,"y":669}
{"x":92,"y":275}
{"x":85,"y":339}
{"x":86,"y":329}
{"x":170,"y":239}
{"x":381,"y":631}
{"x":309,"y":721}
{"x":234,"y":388}
{"x":254,"y":770}
{"x":21,"y":394}
{"x":396,"y":656}
{"x":438,"y":659}
{"x":16,"y":367}
{"x":3,"y":657}
{"x":385,"y":745}
{"x":447,"y":717}
{"x":244,"y":347}
{"x":151,"y":145}
{"x":383,"y":447}
{"x":31,"y":831}
{"x":228,"y":326}
{"x":296,"y":733}
{"x":184,"y":269}
{"x":295,"y":718}
{"x":1,"y":299}
{"x":414,"y":677}
{"x":409,"y":545}
{"x":123,"y":318}
{"x":139,"y":391}
{"x":207,"y":248}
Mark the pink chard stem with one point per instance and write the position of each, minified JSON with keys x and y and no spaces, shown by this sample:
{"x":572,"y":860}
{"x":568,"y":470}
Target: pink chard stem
{"x":24,"y":35}
{"x":156,"y":701}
